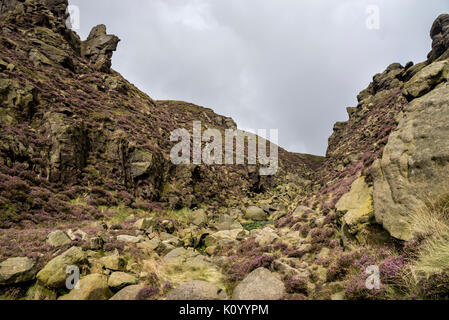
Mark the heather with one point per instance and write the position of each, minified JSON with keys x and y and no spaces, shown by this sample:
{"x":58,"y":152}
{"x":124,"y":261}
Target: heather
{"x":86,"y":181}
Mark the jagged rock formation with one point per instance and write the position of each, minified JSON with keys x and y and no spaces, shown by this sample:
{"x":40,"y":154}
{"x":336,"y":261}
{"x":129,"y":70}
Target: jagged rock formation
{"x":395,"y":138}
{"x":86,"y":181}
{"x":70,"y":123}
{"x":440,"y":37}
{"x":98,"y":48}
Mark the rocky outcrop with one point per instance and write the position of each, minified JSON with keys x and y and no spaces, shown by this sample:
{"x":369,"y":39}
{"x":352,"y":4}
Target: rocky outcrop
{"x":57,"y":7}
{"x":414,"y":165}
{"x":358,"y":142}
{"x":426,"y":79}
{"x":256,"y":214}
{"x":440,"y":37}
{"x":119,"y":280}
{"x":72,"y":125}
{"x":99,"y":47}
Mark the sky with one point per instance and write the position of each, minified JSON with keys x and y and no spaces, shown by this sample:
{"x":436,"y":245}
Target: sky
{"x":291,"y":65}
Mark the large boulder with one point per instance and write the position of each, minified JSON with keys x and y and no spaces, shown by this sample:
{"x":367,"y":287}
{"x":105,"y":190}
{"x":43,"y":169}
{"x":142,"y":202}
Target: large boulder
{"x":197,"y":290}
{"x":226,"y":222}
{"x":264,"y":236}
{"x":118,"y":280}
{"x":256,"y":214}
{"x":17,"y":270}
{"x":261,"y":284}
{"x":224,"y":237}
{"x":426,"y":79}
{"x":357,"y":206}
{"x":114,"y":262}
{"x":54,"y":274}
{"x":128,"y":293}
{"x":198,"y":217}
{"x":414,"y":166}
{"x":128,"y":238}
{"x":58,"y":238}
{"x":91,"y":287}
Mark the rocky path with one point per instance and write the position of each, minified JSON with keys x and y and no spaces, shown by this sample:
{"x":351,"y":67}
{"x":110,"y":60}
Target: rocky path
{"x":229,"y":253}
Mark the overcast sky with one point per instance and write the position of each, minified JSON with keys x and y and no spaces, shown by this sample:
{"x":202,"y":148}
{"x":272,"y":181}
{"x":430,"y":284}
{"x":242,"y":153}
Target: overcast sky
{"x":294,"y":65}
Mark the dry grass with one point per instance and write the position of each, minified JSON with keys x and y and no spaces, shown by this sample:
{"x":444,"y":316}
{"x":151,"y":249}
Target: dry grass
{"x":431,"y":224}
{"x":431,"y":227}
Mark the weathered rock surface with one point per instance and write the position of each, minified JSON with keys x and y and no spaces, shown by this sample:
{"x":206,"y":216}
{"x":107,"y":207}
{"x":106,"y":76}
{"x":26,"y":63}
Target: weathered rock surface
{"x":17,"y":270}
{"x":118,"y":280}
{"x":260,"y":284}
{"x":114,"y":262}
{"x":414,"y":166}
{"x":256,"y":214}
{"x":128,"y":293}
{"x":91,"y":287}
{"x":54,"y":275}
{"x":440,"y":36}
{"x":357,"y":206}
{"x":426,"y":79}
{"x":197,"y":290}
{"x":58,"y":238}
{"x":98,"y":48}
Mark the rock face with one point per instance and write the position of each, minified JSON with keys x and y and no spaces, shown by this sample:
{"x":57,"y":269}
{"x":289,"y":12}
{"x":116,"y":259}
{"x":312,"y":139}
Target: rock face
{"x":17,"y":270}
{"x":414,"y":166}
{"x":197,"y":290}
{"x":260,"y":284}
{"x":440,"y":36}
{"x":425,"y":80}
{"x":99,"y":47}
{"x":54,"y":275}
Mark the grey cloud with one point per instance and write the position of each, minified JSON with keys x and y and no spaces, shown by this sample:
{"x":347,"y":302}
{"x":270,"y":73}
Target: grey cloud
{"x":287,"y":64}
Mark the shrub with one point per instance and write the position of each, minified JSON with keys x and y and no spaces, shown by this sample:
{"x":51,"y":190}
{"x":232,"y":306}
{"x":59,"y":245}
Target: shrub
{"x":295,"y":285}
{"x":148,"y":293}
{"x":436,"y":287}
